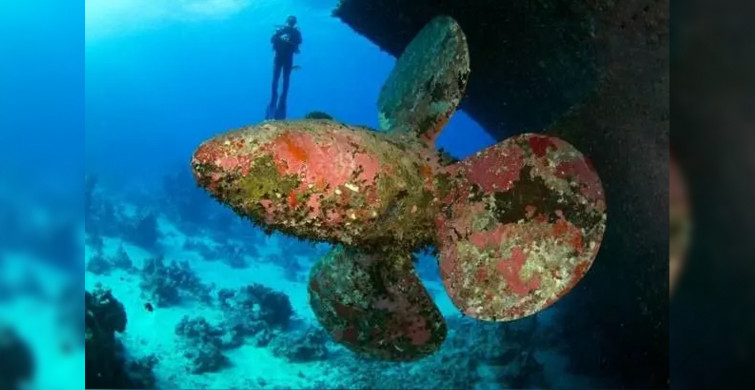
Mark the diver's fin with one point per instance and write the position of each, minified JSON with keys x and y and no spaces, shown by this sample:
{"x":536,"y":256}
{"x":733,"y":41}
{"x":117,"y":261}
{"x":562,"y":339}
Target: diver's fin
{"x":280,"y":112}
{"x":427,"y":82}
{"x":375,"y":305}
{"x":522,"y":228}
{"x":270,"y":110}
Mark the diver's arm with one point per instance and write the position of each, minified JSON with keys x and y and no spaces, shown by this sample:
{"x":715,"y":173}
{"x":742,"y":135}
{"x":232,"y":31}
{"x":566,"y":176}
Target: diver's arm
{"x":276,"y":35}
{"x":298,"y":40}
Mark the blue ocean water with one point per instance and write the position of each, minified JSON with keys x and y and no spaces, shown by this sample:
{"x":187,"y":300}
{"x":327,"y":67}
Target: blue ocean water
{"x":41,"y":229}
{"x":162,"y":76}
{"x":180,"y":292}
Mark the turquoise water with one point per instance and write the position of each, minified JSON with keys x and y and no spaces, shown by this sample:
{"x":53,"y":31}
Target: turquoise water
{"x":160,"y":77}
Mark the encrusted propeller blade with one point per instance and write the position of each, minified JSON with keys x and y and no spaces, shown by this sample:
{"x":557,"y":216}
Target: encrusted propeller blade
{"x":428,"y":81}
{"x":522,"y":230}
{"x":375,"y":305}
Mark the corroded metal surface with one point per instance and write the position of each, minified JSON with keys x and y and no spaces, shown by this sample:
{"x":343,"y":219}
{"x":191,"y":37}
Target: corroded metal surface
{"x":322,"y":180}
{"x":427,"y":82}
{"x":680,"y":222}
{"x":375,"y":305}
{"x":522,"y":228}
{"x":531,"y":59}
{"x":600,"y":69}
{"x":516,"y":226}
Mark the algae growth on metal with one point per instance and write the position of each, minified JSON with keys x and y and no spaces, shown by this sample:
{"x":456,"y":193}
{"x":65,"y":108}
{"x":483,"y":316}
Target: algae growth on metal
{"x":515,"y":226}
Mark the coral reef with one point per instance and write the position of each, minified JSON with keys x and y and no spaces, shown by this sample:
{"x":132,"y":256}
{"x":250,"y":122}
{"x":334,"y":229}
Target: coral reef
{"x":165,"y":284}
{"x":100,"y":215}
{"x":302,"y":345}
{"x":230,"y":253}
{"x":476,"y":356}
{"x":254,"y":312}
{"x":141,"y":371}
{"x":102,"y":265}
{"x":17,"y":365}
{"x":122,"y":260}
{"x":106,"y":364}
{"x":144,"y":231}
{"x":98,"y":265}
{"x":502,"y":354}
{"x":274,"y":307}
{"x":104,"y":316}
{"x":202,"y":345}
{"x":258,"y":302}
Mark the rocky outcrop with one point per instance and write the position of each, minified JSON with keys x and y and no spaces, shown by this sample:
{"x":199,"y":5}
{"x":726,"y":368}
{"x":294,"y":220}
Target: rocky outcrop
{"x":107,"y":366}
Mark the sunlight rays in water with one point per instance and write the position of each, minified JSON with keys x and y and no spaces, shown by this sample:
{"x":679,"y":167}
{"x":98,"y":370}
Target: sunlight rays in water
{"x":106,"y":18}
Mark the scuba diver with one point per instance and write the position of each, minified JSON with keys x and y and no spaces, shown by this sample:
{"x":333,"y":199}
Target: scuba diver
{"x":286,"y":41}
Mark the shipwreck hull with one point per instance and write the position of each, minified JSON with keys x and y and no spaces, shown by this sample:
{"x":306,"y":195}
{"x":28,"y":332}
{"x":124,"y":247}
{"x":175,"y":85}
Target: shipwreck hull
{"x":596,"y":74}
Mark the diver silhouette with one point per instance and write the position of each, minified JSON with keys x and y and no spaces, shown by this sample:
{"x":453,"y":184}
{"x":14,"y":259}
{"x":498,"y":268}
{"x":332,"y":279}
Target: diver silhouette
{"x":286,"y":41}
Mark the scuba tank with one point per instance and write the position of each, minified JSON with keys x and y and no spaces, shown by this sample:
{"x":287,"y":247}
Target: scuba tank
{"x":281,"y":37}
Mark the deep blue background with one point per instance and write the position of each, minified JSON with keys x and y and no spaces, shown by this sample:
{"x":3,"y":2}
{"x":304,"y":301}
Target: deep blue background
{"x":157,"y":88}
{"x":41,"y":100}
